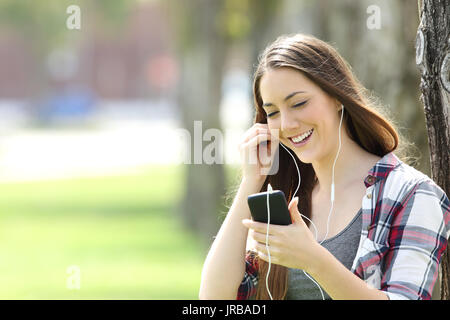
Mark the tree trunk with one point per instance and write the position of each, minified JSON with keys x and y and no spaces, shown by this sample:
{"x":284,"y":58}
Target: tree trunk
{"x":433,"y":60}
{"x":203,"y":42}
{"x":202,"y":52}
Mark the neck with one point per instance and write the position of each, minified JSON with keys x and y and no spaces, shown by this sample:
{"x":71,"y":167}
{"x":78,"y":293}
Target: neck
{"x":351,"y":164}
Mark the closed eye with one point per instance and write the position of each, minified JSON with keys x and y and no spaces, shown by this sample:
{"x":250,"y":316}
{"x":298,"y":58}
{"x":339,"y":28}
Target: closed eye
{"x":299,"y":104}
{"x":294,"y":106}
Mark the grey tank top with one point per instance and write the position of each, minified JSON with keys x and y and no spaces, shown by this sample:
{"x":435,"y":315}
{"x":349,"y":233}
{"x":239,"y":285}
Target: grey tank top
{"x":343,"y":246}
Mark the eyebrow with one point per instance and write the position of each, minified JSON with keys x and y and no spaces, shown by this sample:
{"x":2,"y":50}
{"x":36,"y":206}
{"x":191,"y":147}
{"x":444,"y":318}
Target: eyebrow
{"x":268,"y":104}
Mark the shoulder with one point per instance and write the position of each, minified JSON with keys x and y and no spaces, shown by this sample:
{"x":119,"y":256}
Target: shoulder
{"x":403,"y":180}
{"x":419,"y":199}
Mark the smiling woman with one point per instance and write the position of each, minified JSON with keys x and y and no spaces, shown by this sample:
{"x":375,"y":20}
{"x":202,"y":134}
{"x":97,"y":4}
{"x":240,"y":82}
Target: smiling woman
{"x":383,"y":224}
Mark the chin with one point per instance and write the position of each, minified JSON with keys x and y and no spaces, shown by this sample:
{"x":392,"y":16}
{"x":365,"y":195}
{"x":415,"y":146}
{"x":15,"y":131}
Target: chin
{"x":305,"y":157}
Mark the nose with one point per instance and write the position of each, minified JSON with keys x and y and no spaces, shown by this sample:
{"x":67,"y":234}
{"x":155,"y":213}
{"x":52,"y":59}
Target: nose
{"x":288,"y":123}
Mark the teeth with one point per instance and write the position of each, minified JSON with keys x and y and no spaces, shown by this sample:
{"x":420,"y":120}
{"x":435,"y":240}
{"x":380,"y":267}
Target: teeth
{"x":302,"y":137}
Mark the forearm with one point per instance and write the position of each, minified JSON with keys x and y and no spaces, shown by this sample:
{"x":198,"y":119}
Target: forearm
{"x":224,"y":266}
{"x":339,"y":282}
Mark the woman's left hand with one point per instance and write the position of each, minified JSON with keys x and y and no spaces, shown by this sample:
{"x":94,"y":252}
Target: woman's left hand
{"x":292,"y":246}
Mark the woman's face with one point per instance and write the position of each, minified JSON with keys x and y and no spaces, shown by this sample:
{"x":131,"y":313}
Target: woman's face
{"x":307,"y":118}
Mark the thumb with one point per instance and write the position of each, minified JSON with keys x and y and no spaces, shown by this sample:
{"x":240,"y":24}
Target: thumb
{"x":293,"y":210}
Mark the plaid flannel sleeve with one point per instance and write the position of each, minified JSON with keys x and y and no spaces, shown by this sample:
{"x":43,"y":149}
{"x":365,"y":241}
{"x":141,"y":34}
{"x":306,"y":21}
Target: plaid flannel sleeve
{"x":247,"y":289}
{"x":418,"y":237}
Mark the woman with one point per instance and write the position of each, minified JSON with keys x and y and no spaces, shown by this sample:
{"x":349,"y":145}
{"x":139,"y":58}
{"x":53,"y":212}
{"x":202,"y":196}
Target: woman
{"x":387,"y":229}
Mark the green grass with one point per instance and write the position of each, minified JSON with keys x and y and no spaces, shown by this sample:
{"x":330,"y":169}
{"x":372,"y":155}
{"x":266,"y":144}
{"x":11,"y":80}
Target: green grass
{"x":121,"y":232}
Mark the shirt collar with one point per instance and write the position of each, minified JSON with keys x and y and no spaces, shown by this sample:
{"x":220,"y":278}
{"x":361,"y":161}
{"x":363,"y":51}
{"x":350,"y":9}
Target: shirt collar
{"x":382,"y":169}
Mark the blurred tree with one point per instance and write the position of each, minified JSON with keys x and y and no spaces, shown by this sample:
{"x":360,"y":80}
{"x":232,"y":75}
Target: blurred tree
{"x":201,"y":46}
{"x":264,"y":17}
{"x":204,"y":32}
{"x":433,"y":60}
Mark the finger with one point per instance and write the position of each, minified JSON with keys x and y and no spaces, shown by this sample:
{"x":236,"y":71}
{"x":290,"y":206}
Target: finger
{"x":265,"y":257}
{"x":262,"y":237}
{"x":293,"y":203}
{"x":263,"y":249}
{"x":293,"y":210}
{"x":261,"y":125}
{"x":254,"y":131}
{"x":250,"y":149}
{"x":255,"y":141}
{"x":260,"y":227}
{"x":275,"y":133}
{"x":267,"y":155}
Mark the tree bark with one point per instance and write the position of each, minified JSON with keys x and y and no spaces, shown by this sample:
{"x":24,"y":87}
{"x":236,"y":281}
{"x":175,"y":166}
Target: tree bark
{"x":433,"y":60}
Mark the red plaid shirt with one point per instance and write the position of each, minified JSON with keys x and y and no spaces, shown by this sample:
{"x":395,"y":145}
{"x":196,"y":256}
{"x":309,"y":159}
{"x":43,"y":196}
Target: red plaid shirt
{"x":405,"y":229}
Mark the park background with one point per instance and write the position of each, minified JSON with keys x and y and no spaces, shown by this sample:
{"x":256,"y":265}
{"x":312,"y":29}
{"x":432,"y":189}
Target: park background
{"x":95,"y":200}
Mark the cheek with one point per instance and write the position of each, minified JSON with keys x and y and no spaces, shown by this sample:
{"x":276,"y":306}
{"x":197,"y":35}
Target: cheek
{"x":320,"y":119}
{"x":273,"y":124}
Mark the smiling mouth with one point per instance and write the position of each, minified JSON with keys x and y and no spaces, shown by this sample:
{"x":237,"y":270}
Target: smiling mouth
{"x":301,"y":137}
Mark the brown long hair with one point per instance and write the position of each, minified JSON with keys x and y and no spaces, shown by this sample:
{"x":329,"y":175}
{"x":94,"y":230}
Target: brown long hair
{"x":365,"y":123}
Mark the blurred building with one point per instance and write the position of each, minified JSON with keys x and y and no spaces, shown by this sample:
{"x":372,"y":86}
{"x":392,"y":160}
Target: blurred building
{"x":135,"y":62}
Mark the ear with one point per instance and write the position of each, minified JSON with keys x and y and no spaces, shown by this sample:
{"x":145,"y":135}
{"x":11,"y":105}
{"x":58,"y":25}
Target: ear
{"x":337,"y":104}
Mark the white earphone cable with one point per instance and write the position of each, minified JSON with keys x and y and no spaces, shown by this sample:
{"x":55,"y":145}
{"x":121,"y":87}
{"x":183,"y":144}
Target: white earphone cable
{"x":332,"y":175}
{"x":269,"y":188}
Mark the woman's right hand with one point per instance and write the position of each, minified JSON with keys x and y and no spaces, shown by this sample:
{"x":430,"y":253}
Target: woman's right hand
{"x":258,"y":149}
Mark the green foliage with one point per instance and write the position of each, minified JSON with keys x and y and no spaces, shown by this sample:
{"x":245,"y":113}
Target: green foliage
{"x":234,"y":21}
